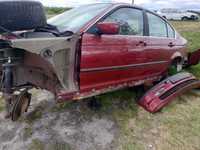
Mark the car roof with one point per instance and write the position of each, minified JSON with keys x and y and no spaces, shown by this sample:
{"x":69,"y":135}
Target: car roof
{"x":119,"y":4}
{"x":115,"y":5}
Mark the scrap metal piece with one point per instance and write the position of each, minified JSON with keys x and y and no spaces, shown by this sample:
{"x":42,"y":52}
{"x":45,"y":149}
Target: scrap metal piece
{"x":193,"y":58}
{"x":165,"y":92}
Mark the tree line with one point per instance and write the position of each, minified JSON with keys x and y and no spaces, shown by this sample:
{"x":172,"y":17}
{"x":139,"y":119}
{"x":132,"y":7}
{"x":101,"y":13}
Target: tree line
{"x":55,"y":10}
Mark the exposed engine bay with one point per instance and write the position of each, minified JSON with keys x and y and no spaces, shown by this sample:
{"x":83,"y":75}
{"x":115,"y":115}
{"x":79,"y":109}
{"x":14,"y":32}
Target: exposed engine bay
{"x":45,"y":62}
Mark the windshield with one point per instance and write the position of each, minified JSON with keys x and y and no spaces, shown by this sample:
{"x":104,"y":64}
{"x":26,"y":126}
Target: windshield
{"x":76,"y":18}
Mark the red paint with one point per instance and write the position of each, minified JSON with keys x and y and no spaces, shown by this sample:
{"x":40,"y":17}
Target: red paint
{"x":194,"y":58}
{"x":113,"y":60}
{"x":111,"y":51}
{"x":108,"y":28}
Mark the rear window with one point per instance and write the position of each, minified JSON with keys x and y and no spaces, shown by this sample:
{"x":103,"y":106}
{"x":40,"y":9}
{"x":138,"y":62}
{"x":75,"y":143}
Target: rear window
{"x":157,"y":26}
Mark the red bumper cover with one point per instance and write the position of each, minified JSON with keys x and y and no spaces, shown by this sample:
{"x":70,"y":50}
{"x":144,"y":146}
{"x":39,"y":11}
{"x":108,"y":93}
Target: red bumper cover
{"x":164,"y":92}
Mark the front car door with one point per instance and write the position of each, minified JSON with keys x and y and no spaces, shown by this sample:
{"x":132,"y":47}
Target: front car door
{"x":115,"y":59}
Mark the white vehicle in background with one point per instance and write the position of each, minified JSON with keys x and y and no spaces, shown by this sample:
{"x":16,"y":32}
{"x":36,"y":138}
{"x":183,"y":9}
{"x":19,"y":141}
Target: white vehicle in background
{"x":176,"y":14}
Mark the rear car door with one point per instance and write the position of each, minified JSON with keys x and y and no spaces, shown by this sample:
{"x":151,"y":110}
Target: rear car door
{"x":114,"y":59}
{"x":161,"y":43}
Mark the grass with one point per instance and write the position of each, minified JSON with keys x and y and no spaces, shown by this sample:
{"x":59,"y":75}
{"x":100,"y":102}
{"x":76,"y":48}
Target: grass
{"x":1,"y":104}
{"x":36,"y":144}
{"x":191,"y":31}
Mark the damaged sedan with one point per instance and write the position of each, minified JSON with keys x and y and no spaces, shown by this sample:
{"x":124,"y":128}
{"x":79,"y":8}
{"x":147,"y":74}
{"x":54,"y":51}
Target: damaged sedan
{"x":84,"y":52}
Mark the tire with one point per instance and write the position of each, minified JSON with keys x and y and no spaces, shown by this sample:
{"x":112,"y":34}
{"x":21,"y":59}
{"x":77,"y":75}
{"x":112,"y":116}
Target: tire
{"x":184,"y":18}
{"x":193,"y":17}
{"x":21,"y":15}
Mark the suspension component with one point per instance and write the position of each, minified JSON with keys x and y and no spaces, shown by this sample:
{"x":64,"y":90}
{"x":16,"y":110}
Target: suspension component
{"x":9,"y":58}
{"x":7,"y":86}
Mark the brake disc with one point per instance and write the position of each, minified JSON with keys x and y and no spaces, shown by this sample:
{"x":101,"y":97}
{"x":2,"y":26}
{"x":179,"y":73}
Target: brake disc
{"x":21,"y":105}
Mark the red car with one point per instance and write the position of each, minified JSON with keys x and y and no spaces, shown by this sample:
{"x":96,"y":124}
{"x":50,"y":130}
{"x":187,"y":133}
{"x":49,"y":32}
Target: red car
{"x":88,"y":51}
{"x":121,"y":45}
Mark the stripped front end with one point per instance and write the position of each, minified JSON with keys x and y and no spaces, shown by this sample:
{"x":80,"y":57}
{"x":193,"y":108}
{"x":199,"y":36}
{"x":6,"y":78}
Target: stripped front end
{"x":47,"y":63}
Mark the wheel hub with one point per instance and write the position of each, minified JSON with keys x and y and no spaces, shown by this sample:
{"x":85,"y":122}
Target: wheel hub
{"x":20,"y":105}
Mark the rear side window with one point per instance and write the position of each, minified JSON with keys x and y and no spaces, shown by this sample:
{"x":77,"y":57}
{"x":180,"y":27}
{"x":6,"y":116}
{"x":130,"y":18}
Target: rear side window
{"x":171,"y":32}
{"x":157,"y":26}
{"x":130,"y":20}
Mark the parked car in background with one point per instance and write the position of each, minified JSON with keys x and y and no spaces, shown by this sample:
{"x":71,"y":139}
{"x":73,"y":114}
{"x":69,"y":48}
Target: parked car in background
{"x":86,"y":51}
{"x":195,"y":11}
{"x":176,"y":14}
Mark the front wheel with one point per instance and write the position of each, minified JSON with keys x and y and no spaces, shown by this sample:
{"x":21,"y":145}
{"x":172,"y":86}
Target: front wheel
{"x":193,"y":17}
{"x":184,"y":18}
{"x":20,"y":105}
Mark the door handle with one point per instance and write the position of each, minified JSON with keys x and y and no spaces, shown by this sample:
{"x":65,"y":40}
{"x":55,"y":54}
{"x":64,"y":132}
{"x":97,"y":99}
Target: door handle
{"x":141,"y":43}
{"x":171,"y":44}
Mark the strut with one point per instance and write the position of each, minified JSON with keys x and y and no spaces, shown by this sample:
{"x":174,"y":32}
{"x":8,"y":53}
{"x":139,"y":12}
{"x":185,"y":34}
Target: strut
{"x":7,"y":85}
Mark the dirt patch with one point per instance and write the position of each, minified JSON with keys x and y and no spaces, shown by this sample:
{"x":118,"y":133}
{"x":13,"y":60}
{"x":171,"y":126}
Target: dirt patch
{"x":50,"y":126}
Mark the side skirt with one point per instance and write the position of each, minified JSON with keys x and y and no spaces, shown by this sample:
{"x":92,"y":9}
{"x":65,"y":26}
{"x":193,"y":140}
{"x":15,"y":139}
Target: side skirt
{"x":112,"y":88}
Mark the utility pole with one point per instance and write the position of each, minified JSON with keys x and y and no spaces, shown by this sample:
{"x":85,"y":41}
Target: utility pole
{"x":132,"y":2}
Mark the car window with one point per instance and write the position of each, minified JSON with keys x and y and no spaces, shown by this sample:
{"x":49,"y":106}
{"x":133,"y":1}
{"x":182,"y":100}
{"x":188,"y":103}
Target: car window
{"x":171,"y":32}
{"x":157,"y":26}
{"x":129,"y":19}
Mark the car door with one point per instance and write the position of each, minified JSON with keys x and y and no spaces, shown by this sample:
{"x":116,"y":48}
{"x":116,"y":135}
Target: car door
{"x":114,"y":59}
{"x":161,"y":43}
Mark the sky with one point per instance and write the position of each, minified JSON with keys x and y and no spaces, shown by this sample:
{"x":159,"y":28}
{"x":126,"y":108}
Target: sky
{"x":151,"y":4}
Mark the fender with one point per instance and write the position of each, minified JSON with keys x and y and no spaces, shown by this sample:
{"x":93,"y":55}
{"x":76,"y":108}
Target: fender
{"x":175,"y":55}
{"x":44,"y":57}
{"x":165,"y":92}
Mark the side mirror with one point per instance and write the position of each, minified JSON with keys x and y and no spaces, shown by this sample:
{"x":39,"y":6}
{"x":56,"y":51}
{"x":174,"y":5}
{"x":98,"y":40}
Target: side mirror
{"x":108,"y":28}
